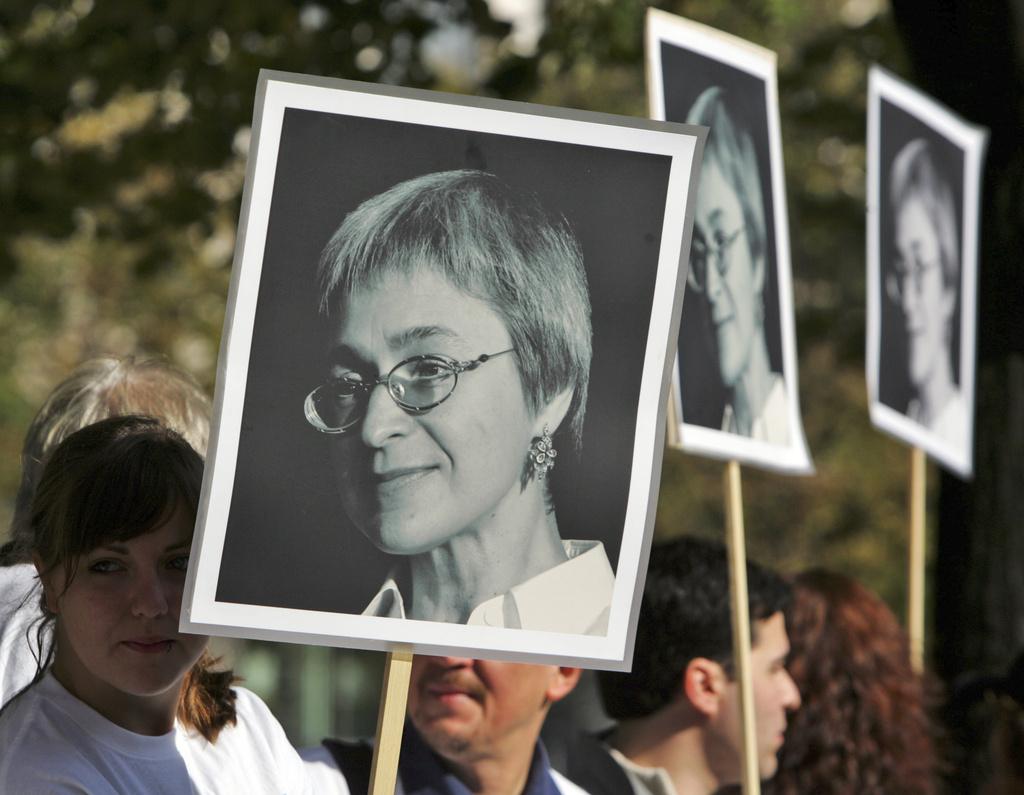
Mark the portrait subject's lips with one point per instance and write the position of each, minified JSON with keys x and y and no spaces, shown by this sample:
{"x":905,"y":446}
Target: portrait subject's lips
{"x":398,"y":478}
{"x":721,"y":312}
{"x":719,"y":322}
{"x":440,"y":691}
{"x":149,"y":644}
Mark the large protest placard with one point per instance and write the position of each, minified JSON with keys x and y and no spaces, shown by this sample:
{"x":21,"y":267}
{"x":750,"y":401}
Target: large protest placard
{"x":924,"y":180}
{"x":735,"y":385}
{"x":440,"y":400}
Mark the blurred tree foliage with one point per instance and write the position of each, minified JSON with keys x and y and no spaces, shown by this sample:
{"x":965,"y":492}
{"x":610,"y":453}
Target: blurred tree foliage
{"x":125,"y":128}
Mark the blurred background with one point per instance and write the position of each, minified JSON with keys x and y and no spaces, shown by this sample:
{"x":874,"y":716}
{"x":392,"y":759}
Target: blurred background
{"x":124,"y":129}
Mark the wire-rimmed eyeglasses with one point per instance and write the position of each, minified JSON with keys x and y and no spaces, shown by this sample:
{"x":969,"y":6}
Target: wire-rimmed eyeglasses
{"x":417,"y":384}
{"x":701,"y":252}
{"x":912,"y":271}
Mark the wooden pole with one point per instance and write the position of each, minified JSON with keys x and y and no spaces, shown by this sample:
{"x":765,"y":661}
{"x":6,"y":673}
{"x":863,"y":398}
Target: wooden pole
{"x":672,"y":437}
{"x":390,"y":722}
{"x":916,"y":559}
{"x":736,"y":543}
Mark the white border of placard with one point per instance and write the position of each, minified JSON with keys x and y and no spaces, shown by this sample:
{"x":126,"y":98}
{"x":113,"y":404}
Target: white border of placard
{"x":678,"y":146}
{"x":937,"y":123}
{"x":744,"y":57}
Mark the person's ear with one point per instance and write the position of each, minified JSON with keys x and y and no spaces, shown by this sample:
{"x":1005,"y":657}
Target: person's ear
{"x":563,"y":680}
{"x":553,"y":412}
{"x":704,"y":682}
{"x":46,"y":579}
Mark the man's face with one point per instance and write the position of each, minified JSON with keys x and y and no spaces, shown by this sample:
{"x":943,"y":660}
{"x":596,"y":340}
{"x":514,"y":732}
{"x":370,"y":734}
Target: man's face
{"x":775,"y":694}
{"x":468,"y":710}
{"x":927,"y":304}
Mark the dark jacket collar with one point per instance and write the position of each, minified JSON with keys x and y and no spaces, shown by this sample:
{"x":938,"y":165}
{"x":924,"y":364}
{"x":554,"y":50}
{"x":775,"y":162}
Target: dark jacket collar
{"x":423,"y":773}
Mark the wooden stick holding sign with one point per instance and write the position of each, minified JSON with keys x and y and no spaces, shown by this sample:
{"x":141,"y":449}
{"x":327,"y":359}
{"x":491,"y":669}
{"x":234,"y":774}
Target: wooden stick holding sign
{"x":737,"y":545}
{"x":924,"y":167}
{"x":916,"y":558}
{"x":390,"y":723}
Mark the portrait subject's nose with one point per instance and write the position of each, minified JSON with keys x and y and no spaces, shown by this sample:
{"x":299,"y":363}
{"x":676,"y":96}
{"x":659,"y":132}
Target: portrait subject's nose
{"x":909,"y":299}
{"x":384,"y":418}
{"x":150,"y":597}
{"x":713,"y":281}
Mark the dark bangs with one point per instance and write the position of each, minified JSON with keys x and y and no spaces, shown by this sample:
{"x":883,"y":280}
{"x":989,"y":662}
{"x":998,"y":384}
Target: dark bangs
{"x":109,"y":482}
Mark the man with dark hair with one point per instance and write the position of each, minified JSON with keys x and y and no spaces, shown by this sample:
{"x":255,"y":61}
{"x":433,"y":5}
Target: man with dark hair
{"x":679,"y":727}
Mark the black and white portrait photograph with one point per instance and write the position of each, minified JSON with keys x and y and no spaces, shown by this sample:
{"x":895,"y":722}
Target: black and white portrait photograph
{"x":735,"y":385}
{"x":440,"y":406}
{"x":923,"y":184}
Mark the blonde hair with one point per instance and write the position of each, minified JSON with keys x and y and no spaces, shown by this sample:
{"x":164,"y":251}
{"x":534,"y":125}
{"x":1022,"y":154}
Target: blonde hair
{"x":99,"y":388}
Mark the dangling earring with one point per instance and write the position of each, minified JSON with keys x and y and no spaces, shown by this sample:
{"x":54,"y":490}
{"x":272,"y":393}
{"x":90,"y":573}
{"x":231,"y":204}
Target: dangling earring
{"x":542,"y":454}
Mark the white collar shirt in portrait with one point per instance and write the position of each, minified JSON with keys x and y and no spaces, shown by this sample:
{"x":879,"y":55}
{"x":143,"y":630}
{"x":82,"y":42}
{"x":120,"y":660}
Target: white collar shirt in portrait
{"x":950,"y":424}
{"x":772,"y":424}
{"x":573,"y":597}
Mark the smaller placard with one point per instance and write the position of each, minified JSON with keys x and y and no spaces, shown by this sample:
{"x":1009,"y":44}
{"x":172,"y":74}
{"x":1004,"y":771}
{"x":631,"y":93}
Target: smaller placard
{"x":924,"y":181}
{"x":735,"y":385}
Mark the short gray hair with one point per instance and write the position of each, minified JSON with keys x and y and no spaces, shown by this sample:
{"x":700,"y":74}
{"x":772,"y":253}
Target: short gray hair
{"x":495,"y":243}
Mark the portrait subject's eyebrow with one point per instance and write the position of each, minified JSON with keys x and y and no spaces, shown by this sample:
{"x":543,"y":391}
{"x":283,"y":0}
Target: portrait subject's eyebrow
{"x":406,"y":337}
{"x":346,"y":355}
{"x":122,"y":549}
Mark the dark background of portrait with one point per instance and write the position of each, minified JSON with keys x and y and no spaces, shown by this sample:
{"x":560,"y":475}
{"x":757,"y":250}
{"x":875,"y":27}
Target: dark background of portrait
{"x":685,"y":75}
{"x":289,"y":542}
{"x":898,"y":128}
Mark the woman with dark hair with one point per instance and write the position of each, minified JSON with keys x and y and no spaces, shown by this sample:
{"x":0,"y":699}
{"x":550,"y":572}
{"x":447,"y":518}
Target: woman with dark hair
{"x":863,"y":727}
{"x":107,"y":386}
{"x":455,"y":279}
{"x":122,"y":701}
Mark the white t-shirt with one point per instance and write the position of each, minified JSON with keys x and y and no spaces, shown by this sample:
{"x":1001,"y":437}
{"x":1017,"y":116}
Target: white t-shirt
{"x":54,"y":743}
{"x":19,"y":608}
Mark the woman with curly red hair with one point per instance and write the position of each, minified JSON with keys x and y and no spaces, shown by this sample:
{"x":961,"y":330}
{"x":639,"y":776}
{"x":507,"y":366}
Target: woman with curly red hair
{"x":863,"y":728}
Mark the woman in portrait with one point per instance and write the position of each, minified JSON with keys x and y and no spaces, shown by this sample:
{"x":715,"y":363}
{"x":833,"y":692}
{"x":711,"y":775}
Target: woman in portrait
{"x":458,"y":361}
{"x":122,"y":701}
{"x":863,"y":725}
{"x":728,"y":264}
{"x":923,"y":281}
